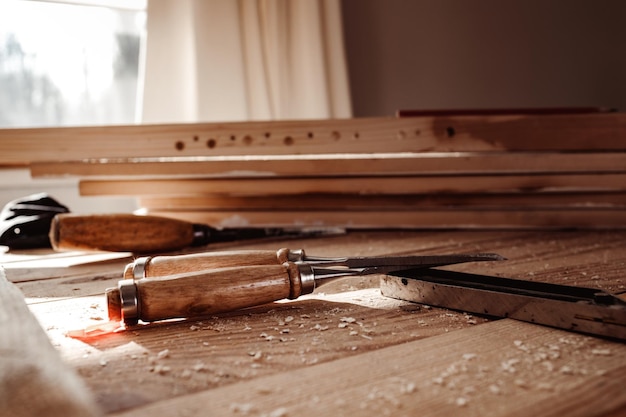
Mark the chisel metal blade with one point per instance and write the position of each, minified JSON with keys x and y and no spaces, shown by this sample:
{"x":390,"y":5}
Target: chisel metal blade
{"x":402,"y":262}
{"x":585,"y":310}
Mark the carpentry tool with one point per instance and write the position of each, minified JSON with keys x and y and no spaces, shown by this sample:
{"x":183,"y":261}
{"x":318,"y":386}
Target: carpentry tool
{"x":154,"y":266}
{"x":579,"y":309}
{"x":219,"y":290}
{"x":144,"y":234}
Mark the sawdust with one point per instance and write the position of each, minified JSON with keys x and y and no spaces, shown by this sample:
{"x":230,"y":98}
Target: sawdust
{"x":529,"y":368}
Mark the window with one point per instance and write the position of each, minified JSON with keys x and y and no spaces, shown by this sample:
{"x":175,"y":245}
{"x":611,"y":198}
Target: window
{"x":69,"y":63}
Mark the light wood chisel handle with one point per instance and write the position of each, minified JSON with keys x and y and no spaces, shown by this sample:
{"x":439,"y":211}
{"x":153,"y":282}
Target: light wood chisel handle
{"x":207,"y":292}
{"x":155,"y":266}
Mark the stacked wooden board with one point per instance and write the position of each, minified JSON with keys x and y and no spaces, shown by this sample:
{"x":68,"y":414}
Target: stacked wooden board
{"x":478,"y":170}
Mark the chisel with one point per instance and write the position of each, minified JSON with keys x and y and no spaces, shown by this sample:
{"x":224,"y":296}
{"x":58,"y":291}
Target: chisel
{"x":143,"y":234}
{"x":220,"y":290}
{"x":154,"y":266}
{"x":579,"y":309}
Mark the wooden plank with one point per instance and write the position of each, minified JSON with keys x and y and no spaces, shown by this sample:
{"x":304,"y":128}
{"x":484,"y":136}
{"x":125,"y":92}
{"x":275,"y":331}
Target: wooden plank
{"x":33,"y":378}
{"x":602,"y":132}
{"x":504,"y":368}
{"x":310,"y":202}
{"x":420,"y":219}
{"x":232,"y":348}
{"x":355,"y":185}
{"x":457,"y":163}
{"x":181,"y":359}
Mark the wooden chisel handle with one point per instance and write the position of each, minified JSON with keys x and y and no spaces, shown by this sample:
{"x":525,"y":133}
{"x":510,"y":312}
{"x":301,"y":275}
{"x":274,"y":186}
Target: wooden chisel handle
{"x":120,"y":233}
{"x":207,"y":292}
{"x":155,"y":266}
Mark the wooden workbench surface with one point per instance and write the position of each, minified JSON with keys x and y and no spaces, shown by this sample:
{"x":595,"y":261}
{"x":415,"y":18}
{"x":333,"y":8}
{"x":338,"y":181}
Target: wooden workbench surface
{"x":344,"y":350}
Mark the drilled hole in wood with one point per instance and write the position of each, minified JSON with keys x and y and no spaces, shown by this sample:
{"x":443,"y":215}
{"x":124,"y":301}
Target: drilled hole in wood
{"x":211,"y":143}
{"x":401,"y":134}
{"x":404,"y":281}
{"x":418,"y":132}
{"x":288,"y":140}
{"x":233,"y":137}
{"x":356,"y":135}
{"x":335,"y":135}
{"x":196,"y":138}
{"x":267,"y":135}
{"x":309,"y":135}
{"x":180,"y":145}
{"x":248,"y":140}
{"x":450,"y":131}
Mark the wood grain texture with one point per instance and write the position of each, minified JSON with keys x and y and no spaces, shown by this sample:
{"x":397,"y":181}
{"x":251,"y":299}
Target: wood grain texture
{"x":33,"y":379}
{"x":602,"y":131}
{"x":336,"y":340}
{"x":118,"y":232}
{"x":203,"y":293}
{"x":398,"y":185}
{"x":171,"y":265}
{"x":444,"y":218}
{"x":496,"y":368}
{"x":386,"y":202}
{"x":379,"y":164}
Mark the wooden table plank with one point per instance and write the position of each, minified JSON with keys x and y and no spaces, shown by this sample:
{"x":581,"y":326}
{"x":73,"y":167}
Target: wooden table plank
{"x":503,"y":368}
{"x":237,"y":362}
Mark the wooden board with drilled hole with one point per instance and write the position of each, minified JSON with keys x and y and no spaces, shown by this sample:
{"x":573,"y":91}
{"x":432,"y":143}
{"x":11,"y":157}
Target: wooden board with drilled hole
{"x":446,"y":133}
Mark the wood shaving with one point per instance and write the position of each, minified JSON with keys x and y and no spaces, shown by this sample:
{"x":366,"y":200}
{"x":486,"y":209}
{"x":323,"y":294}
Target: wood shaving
{"x":279,"y":412}
{"x":267,"y":337}
{"x":256,"y":355}
{"x":521,"y":383}
{"x":461,"y":401}
{"x":494,"y":389}
{"x":241,"y":408}
{"x":200,"y":367}
{"x":161,"y":369}
{"x":509,"y":365}
{"x":165,"y":353}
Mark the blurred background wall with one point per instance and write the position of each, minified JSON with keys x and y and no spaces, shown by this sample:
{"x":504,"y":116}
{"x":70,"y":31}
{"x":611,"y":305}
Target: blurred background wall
{"x":432,"y":54}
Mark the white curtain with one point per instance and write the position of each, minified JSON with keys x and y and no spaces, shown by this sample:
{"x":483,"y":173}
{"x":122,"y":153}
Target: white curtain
{"x":230,"y":60}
